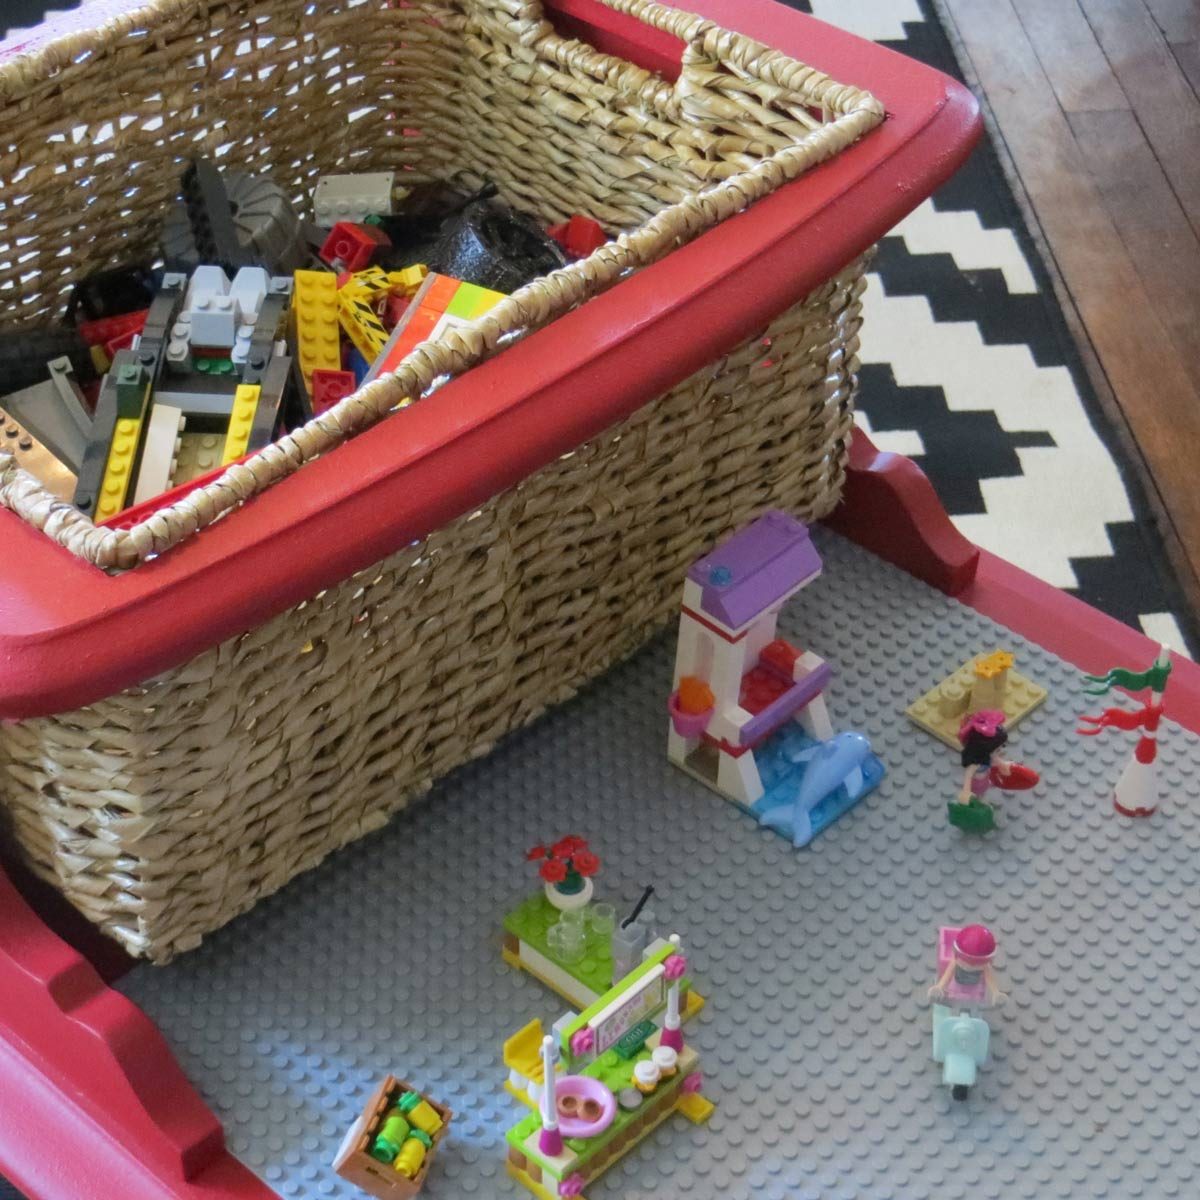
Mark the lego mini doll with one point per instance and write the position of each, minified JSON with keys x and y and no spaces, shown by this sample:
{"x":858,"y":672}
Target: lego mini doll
{"x":982,"y":736}
{"x":967,"y":977}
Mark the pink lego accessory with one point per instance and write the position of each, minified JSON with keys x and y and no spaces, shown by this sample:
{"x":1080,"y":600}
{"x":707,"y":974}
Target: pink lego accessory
{"x":675,"y":966}
{"x":986,"y":722}
{"x":582,"y":1041}
{"x":975,"y":944}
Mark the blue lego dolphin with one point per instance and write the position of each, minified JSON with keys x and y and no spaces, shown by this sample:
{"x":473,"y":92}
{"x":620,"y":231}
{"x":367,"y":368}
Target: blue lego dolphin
{"x":835,"y":763}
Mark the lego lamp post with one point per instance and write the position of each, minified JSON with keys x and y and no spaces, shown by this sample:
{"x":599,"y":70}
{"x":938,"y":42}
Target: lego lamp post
{"x":672,"y":1031}
{"x":550,"y":1140}
{"x":1136,"y":793}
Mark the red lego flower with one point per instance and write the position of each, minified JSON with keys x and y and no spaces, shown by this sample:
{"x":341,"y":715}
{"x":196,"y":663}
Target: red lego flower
{"x":586,"y":863}
{"x":568,"y":847}
{"x":538,"y":851}
{"x":553,"y":870}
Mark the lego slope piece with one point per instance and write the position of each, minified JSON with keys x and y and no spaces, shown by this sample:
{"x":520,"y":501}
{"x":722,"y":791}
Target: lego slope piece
{"x":816,"y":1036}
{"x":986,"y":681}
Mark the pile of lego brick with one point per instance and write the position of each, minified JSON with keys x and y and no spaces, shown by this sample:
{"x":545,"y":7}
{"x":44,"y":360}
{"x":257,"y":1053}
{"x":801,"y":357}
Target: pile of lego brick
{"x":256,"y":321}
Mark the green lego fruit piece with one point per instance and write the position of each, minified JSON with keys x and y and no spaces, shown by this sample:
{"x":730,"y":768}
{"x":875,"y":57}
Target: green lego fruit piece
{"x":972,"y":817}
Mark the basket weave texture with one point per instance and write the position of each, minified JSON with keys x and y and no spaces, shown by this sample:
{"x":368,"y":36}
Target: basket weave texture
{"x":96,"y":126}
{"x":164,"y":811}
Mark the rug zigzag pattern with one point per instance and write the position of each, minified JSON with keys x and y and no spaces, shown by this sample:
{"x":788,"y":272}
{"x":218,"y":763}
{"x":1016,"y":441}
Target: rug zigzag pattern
{"x":1014,"y":443}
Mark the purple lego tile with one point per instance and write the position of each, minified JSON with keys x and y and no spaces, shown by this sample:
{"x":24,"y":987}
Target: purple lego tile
{"x":755,"y":568}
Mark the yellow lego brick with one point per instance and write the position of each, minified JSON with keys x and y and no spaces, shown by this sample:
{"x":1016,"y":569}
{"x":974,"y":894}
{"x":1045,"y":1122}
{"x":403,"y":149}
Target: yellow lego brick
{"x":941,"y":710}
{"x":315,"y":323}
{"x":118,"y":471}
{"x":407,"y":281}
{"x":362,"y":325}
{"x":241,"y":421}
{"x":373,"y":282}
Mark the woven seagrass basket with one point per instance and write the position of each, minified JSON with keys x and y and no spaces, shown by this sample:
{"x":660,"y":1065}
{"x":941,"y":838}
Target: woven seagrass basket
{"x":164,"y":811}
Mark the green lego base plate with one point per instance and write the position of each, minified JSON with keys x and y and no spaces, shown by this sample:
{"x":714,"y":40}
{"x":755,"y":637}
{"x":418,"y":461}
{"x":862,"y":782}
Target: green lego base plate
{"x":531,"y":921}
{"x":1021,"y":697}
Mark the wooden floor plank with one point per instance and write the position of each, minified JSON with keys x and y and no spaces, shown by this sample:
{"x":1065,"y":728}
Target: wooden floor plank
{"x":1178,"y":19}
{"x":1080,"y":74}
{"x":1138,"y":356}
{"x":1187,"y":55}
{"x":1147,"y":216}
{"x":1164,"y":101}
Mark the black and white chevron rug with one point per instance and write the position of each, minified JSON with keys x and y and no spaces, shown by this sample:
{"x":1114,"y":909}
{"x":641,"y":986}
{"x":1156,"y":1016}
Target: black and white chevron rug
{"x":969,"y":369}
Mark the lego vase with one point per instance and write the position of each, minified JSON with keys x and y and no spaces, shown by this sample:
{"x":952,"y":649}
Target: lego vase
{"x":688,"y":724}
{"x":567,"y":901}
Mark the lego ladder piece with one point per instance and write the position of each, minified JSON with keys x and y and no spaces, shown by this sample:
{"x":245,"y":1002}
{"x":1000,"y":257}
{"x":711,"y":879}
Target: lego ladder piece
{"x":211,"y":217}
{"x":986,"y":681}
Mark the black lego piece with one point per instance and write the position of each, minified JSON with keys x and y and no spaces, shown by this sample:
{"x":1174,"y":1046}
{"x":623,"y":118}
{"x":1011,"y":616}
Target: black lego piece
{"x":112,"y":293}
{"x":211,"y":217}
{"x":24,"y":354}
{"x":491,"y":245}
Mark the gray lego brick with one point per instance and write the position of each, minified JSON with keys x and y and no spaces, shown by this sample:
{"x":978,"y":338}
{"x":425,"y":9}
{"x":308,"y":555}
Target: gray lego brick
{"x":814,"y":962}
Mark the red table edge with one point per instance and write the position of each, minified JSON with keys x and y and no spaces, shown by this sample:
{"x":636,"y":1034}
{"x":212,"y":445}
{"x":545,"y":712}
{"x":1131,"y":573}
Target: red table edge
{"x":70,"y":635}
{"x":69,"y":1044}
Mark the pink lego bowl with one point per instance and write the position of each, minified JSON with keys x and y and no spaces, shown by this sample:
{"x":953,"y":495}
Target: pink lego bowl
{"x":687,"y":725}
{"x":586,"y":1107}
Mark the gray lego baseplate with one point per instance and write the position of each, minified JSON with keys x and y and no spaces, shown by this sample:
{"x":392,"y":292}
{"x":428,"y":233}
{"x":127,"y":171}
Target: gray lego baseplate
{"x":815,"y":1038}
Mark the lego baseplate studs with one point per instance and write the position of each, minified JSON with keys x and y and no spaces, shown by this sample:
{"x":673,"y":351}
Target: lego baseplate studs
{"x":816,"y":966}
{"x":985,"y":681}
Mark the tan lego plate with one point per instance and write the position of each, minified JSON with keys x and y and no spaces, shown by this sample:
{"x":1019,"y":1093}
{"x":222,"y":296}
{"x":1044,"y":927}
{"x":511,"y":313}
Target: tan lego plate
{"x":986,"y":681}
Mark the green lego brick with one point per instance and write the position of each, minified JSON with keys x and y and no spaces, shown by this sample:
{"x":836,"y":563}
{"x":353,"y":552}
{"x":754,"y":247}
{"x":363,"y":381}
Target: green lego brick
{"x":1021,"y":697}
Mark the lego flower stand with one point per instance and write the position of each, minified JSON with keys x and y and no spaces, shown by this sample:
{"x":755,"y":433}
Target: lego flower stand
{"x":603,"y":1080}
{"x":389,"y":1150}
{"x":566,"y":868}
{"x":748,"y":715}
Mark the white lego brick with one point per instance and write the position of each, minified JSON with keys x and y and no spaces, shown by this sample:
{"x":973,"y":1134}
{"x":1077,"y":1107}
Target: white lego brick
{"x":206,"y":279}
{"x":214,"y":319}
{"x":248,"y":290}
{"x":163,"y":432}
{"x":353,"y":197}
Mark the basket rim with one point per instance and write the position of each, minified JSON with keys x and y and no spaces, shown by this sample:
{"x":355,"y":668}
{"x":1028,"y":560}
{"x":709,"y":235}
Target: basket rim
{"x":708,"y":48}
{"x":74,"y":634}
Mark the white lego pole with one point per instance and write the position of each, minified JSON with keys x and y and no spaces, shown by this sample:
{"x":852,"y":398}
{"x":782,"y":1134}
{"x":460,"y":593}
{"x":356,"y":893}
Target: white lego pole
{"x":1136,"y":793}
{"x":549,"y":1140}
{"x":672,"y":1031}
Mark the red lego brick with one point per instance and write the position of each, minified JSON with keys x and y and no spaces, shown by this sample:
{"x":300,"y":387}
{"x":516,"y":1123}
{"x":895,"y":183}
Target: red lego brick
{"x":394,"y":308}
{"x":579,"y":236}
{"x":123,"y":341}
{"x":328,"y":387}
{"x":782,"y":656}
{"x":353,"y":246}
{"x":106,"y":329}
{"x":760,"y":687}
